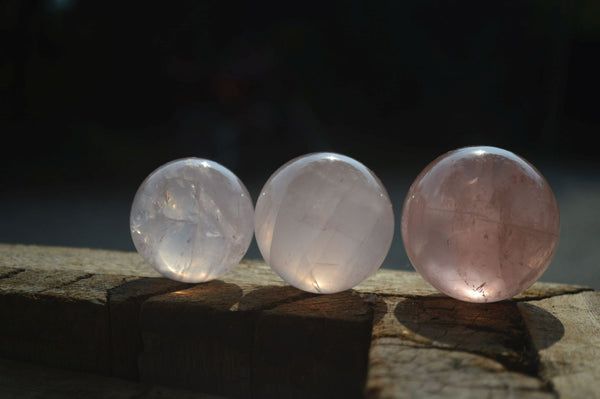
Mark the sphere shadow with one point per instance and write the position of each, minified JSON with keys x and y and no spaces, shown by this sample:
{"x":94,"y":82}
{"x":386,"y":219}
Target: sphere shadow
{"x":223,"y":295}
{"x":342,"y":306}
{"x":545,"y":328}
{"x":269,"y":297}
{"x":449,"y":321}
{"x":496,"y":330}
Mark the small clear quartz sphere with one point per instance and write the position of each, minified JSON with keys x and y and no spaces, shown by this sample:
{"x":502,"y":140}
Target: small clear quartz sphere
{"x":480,"y":224}
{"x":192,"y":220}
{"x":324,"y":222}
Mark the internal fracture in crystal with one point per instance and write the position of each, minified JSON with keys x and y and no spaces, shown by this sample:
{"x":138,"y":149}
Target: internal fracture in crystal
{"x":192,"y":220}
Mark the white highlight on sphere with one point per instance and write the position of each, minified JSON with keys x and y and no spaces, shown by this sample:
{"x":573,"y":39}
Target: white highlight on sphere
{"x":192,"y":220}
{"x":324,"y":222}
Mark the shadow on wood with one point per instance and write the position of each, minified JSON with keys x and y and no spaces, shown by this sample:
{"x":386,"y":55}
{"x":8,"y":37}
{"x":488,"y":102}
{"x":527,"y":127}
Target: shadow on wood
{"x":543,"y":320}
{"x":252,"y":341}
{"x":495,"y":330}
{"x":251,"y":335}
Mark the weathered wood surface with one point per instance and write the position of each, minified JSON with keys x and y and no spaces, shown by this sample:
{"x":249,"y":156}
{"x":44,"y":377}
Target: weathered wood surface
{"x":565,"y":332}
{"x":248,"y":334}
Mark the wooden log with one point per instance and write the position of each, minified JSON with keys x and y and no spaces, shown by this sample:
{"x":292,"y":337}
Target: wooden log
{"x":313,"y":347}
{"x":20,"y":380}
{"x":45,"y":322}
{"x":565,"y":332}
{"x":125,"y":302}
{"x":55,"y":310}
{"x":193,"y":339}
{"x":249,"y":334}
{"x":440,"y":347}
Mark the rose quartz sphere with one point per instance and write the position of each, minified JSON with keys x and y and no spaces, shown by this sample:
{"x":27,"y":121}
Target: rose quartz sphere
{"x":192,"y":220}
{"x":324,"y":222}
{"x":480,"y":224}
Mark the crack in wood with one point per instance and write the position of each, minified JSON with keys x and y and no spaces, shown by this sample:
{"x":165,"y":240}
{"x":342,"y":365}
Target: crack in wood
{"x":519,"y":298}
{"x":552,"y":295}
{"x":246,"y":304}
{"x":67,"y":283}
{"x":10,"y":273}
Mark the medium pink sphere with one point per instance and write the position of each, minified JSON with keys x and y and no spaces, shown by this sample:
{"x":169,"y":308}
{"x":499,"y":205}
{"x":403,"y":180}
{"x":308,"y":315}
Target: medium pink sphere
{"x":324,"y":222}
{"x":480,"y":224}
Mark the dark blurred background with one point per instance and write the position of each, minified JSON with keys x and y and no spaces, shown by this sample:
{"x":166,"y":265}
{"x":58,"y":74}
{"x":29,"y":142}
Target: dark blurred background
{"x":97,"y":94}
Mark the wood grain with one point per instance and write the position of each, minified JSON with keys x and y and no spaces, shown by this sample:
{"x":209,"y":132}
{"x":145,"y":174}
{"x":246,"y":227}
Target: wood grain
{"x":249,"y":334}
{"x":569,"y":353}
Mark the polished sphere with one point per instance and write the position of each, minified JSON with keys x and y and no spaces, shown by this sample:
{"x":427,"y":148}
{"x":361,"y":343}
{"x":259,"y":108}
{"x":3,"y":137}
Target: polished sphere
{"x":324,"y":222}
{"x":480,"y":224}
{"x":192,"y":220}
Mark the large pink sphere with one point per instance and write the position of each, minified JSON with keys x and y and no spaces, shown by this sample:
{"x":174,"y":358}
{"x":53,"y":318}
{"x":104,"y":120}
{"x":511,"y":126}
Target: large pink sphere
{"x":480,"y":224}
{"x":324,"y":222}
